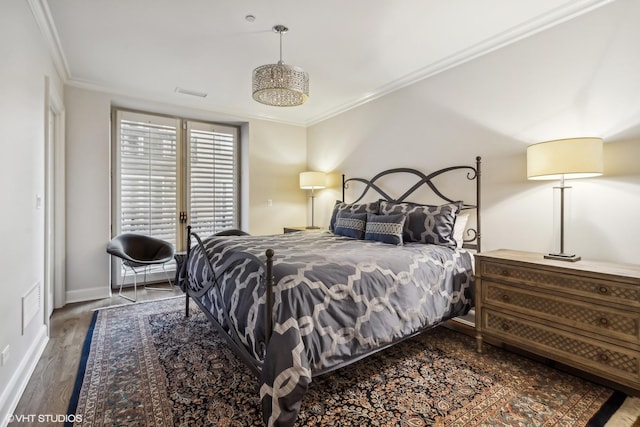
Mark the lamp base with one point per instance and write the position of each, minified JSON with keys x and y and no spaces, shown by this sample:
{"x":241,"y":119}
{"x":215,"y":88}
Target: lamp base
{"x":563,"y":257}
{"x":312,"y":227}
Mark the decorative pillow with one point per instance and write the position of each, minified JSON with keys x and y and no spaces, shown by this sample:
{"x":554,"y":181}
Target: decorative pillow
{"x":425,"y":223}
{"x":385,"y":228}
{"x":371,"y":207}
{"x":350,"y":224}
{"x":459,"y":227}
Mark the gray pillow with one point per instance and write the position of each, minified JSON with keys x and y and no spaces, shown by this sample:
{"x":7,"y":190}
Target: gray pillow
{"x":350,"y":224}
{"x":371,"y":207}
{"x":425,"y":223}
{"x":385,"y":228}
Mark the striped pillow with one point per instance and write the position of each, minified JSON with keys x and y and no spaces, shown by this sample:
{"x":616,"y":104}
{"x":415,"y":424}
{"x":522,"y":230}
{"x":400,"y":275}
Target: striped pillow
{"x":371,"y":207}
{"x":350,"y":224}
{"x":385,"y":228}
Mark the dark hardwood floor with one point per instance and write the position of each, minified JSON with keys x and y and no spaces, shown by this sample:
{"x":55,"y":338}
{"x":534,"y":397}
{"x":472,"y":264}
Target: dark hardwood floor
{"x":50,"y":387}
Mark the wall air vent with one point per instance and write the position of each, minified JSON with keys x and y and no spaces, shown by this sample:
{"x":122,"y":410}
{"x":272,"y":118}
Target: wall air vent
{"x":191,"y":92}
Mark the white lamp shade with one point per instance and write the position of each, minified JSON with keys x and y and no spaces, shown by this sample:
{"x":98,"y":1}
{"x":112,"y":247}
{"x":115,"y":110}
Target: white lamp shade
{"x":313,"y":180}
{"x":571,"y":158}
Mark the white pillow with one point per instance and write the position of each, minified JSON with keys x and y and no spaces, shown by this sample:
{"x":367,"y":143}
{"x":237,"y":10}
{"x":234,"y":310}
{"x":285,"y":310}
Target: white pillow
{"x":459,"y":227}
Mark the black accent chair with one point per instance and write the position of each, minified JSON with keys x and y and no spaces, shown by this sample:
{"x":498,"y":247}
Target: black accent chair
{"x":139,"y":251}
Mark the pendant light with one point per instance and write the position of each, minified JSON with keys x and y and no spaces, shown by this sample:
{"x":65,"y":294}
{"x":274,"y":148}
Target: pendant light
{"x":280,"y":85}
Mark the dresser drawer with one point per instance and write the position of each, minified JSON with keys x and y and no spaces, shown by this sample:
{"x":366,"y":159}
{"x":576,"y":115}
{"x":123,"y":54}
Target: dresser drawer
{"x":620,"y":324}
{"x":563,"y":346}
{"x":607,"y":291}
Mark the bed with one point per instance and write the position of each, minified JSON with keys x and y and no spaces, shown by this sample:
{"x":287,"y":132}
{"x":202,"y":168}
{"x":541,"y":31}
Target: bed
{"x":298,"y":305}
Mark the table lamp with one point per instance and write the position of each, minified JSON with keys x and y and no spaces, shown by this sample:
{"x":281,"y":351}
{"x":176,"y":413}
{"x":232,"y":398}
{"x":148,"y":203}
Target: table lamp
{"x":564,"y":159}
{"x":312,"y":181}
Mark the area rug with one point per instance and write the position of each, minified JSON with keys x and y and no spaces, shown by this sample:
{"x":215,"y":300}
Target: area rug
{"x":148,"y":365}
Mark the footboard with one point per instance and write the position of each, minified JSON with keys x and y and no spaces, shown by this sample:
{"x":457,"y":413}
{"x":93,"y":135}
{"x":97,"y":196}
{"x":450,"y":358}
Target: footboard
{"x":266,"y":280}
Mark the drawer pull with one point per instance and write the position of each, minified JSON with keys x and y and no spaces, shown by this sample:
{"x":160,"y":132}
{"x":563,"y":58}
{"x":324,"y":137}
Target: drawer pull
{"x":603,"y":357}
{"x":505,"y":273}
{"x":603,"y":290}
{"x":603,"y":321}
{"x":506,"y":298}
{"x":505,"y":327}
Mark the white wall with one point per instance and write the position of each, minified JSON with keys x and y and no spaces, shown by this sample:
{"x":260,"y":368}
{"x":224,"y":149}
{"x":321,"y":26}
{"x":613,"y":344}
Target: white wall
{"x":25,"y":67}
{"x":277,"y":154}
{"x":273,"y":155}
{"x":88,"y":187}
{"x":577,"y":79}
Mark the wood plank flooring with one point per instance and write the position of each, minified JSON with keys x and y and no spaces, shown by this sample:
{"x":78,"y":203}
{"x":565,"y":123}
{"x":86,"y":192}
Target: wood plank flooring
{"x":49,"y":389}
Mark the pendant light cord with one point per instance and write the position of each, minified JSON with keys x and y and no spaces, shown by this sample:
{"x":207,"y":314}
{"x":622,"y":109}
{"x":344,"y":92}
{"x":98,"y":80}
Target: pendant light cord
{"x":280,"y":62}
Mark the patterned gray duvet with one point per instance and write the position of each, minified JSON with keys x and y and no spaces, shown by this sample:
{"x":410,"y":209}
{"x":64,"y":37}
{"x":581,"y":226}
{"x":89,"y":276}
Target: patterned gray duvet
{"x":336,"y":300}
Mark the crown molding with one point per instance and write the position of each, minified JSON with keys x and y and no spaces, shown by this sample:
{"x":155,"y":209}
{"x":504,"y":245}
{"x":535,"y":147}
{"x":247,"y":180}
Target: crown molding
{"x":42,"y":15}
{"x":128,"y":97}
{"x":528,"y":28}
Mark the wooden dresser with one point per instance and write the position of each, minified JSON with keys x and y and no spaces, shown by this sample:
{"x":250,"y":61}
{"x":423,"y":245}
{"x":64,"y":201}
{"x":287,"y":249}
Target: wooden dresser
{"x":584,"y":314}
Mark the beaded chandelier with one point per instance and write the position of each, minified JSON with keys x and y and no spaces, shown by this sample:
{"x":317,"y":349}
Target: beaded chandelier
{"x":280,"y":85}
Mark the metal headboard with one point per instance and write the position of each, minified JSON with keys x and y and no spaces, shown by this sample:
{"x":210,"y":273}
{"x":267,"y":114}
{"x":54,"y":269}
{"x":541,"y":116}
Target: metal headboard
{"x":473,"y":174}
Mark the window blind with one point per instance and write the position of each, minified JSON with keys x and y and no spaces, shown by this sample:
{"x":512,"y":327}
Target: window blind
{"x":148,"y":178}
{"x":213,"y":202}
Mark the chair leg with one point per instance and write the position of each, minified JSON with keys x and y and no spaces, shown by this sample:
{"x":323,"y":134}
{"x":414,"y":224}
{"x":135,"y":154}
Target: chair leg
{"x":135,"y":291}
{"x":135,"y":284}
{"x":170,"y":288}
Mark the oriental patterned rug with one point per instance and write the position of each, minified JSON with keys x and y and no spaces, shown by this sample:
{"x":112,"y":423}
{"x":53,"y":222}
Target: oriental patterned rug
{"x":148,"y":365}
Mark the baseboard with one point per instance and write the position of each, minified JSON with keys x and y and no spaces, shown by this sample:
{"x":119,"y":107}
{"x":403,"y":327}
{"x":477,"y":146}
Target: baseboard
{"x":18,"y":383}
{"x":461,"y":327}
{"x":464,"y":324}
{"x":91,"y":294}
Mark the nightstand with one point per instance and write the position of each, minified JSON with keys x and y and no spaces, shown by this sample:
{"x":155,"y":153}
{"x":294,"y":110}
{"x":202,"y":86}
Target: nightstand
{"x":302,"y":228}
{"x":584,"y":315}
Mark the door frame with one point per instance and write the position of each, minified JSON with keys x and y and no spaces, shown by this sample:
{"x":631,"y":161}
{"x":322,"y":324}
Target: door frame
{"x":54,"y":202}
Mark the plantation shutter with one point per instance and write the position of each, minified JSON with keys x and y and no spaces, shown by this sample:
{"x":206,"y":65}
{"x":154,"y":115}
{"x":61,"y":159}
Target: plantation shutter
{"x":148,"y":179}
{"x":213,"y":177}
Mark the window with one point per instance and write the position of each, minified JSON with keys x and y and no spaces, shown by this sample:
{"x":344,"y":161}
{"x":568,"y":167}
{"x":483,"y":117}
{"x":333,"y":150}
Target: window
{"x":169,"y":172}
{"x":213,"y":182}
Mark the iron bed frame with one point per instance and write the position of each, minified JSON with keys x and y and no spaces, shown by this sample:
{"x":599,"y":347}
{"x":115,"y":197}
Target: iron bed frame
{"x":473,"y":243}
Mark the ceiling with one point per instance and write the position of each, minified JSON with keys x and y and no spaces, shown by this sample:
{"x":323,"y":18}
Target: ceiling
{"x":354,"y":51}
